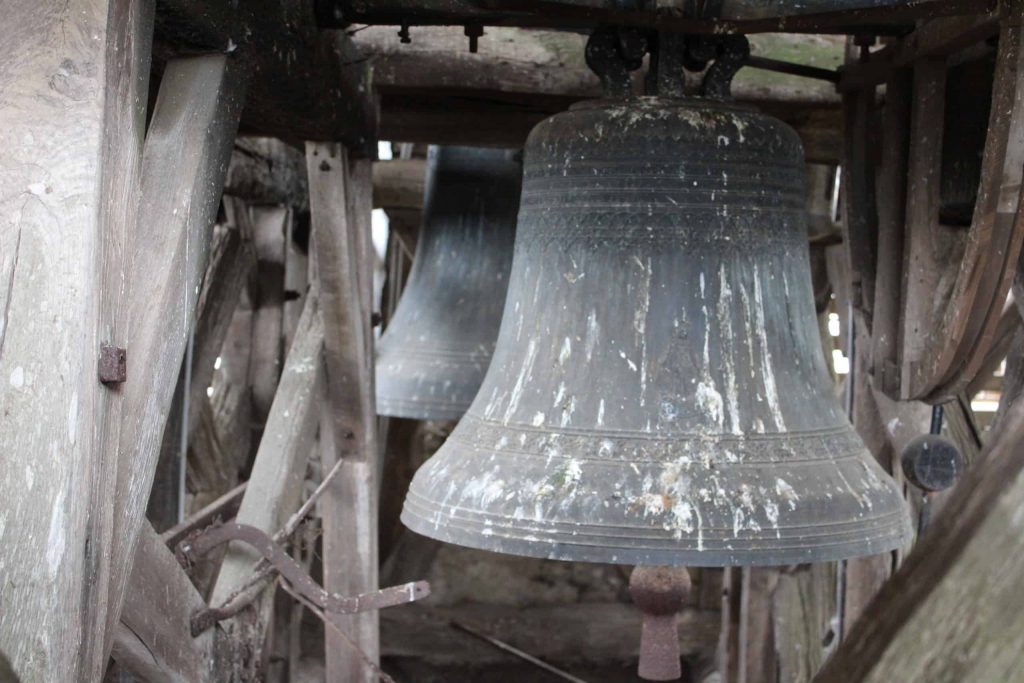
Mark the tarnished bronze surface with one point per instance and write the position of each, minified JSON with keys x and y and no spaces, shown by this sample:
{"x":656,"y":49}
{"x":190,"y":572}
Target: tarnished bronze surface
{"x":658,"y":393}
{"x":435,"y":351}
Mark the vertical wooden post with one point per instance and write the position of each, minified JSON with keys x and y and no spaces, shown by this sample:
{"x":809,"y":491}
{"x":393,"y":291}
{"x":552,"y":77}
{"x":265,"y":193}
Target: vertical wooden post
{"x":925,"y":250}
{"x":340,"y":202}
{"x":73,"y":76}
{"x":186,"y":154}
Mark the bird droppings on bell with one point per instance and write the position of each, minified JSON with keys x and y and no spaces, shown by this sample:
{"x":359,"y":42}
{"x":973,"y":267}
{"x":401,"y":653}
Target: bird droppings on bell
{"x":658,"y":395}
{"x":435,"y":352}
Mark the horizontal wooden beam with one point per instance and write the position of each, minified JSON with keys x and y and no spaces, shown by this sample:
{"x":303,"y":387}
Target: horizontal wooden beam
{"x":740,"y":17}
{"x":936,"y":38}
{"x":308,"y":84}
{"x":434,"y":90}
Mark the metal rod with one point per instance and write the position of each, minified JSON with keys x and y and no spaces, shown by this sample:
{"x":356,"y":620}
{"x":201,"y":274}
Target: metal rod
{"x":185,"y":407}
{"x":783,"y":67}
{"x":517,"y":652}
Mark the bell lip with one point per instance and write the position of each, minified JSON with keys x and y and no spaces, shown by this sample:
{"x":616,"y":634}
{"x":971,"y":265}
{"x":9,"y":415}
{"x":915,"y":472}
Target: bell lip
{"x":688,"y":102}
{"x":418,"y":410}
{"x":898,"y":536}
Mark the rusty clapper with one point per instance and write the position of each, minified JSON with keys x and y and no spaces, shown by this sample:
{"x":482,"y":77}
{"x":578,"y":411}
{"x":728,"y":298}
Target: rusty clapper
{"x":658,"y":395}
{"x":435,"y":351}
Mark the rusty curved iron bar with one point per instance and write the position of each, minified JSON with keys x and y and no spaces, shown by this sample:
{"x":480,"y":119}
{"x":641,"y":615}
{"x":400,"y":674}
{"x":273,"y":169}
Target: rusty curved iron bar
{"x":291,"y":571}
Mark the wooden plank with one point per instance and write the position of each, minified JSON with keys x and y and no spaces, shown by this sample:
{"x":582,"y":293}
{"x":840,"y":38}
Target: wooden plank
{"x":269,"y":228}
{"x":309,"y":84}
{"x":917,"y":629}
{"x":964,"y":330}
{"x":892,"y":203}
{"x":728,"y":650}
{"x":274,"y":488}
{"x":153,"y":642}
{"x":434,"y":90}
{"x":340,"y":202}
{"x":757,"y":661}
{"x":187,"y":150}
{"x":74,"y":76}
{"x":740,"y":17}
{"x":927,"y":244}
{"x":398,"y":184}
{"x":803,"y":613}
{"x":861,"y":219}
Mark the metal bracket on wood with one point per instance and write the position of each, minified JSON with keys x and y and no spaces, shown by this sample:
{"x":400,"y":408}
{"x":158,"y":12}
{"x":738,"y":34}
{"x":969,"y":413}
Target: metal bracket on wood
{"x":113,"y":365}
{"x":204,"y":541}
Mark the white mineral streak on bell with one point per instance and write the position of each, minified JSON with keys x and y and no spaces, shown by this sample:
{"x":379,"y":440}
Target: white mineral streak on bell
{"x":631,"y":364}
{"x":782,"y":488}
{"x":728,"y":362}
{"x":593,"y":333}
{"x":771,"y":511}
{"x":560,"y":394}
{"x":524,"y":373}
{"x":567,"y":412}
{"x":654,"y":503}
{"x":600,"y":413}
{"x":710,"y":401}
{"x":565,"y":352}
{"x":768,"y":370}
{"x":538,"y":419}
{"x":640,"y":325}
{"x":862,"y":500}
{"x":571,"y":473}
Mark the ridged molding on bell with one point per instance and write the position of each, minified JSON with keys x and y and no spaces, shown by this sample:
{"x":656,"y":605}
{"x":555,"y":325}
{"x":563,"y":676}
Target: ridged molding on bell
{"x":435,"y":352}
{"x":658,"y":393}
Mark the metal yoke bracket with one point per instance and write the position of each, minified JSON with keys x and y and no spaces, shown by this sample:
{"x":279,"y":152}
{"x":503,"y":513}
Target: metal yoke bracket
{"x":613,"y":52}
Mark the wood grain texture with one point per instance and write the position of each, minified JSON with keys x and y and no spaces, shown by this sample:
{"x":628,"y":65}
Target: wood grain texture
{"x":275,"y":485}
{"x":962,"y":330}
{"x":187,"y":150}
{"x":73,"y":81}
{"x":153,"y":641}
{"x":340,"y":202}
{"x":953,"y":611}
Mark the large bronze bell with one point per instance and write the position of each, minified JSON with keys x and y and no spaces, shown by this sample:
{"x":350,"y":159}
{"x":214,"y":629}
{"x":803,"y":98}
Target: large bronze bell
{"x":658,"y":394}
{"x":434,"y":354}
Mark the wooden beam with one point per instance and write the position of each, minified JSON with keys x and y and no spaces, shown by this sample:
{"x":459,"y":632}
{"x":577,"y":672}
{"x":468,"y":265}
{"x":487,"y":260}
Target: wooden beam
{"x":187,"y":150}
{"x":916,"y":629}
{"x":74,"y":77}
{"x":340,"y":202}
{"x":274,"y":489}
{"x":965,"y":322}
{"x":434,"y":90}
{"x":308,"y":84}
{"x":267,"y":171}
{"x":892,"y":204}
{"x":927,"y":244}
{"x":935,"y":39}
{"x":398,"y":184}
{"x":153,"y":642}
{"x":738,"y":17}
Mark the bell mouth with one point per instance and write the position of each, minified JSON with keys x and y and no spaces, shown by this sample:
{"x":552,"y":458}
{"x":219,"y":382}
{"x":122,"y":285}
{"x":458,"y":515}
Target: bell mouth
{"x":784,"y":499}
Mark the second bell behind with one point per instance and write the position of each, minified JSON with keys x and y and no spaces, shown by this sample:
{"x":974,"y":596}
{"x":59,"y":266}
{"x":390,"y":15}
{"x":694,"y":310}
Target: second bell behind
{"x":436,"y":350}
